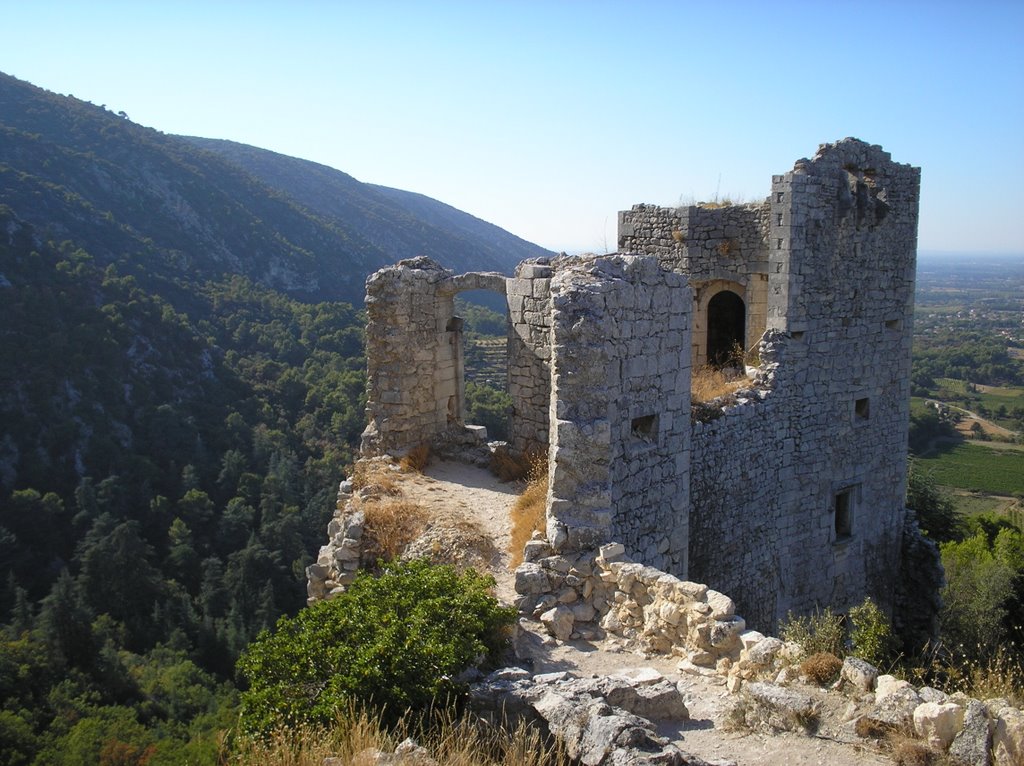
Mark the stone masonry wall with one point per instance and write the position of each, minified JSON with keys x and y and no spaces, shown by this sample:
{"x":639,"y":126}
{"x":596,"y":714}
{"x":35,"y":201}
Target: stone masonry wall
{"x":718,"y":248}
{"x":415,"y":374}
{"x":792,"y":499}
{"x":529,"y":354}
{"x":410,"y":372}
{"x":620,"y":407}
{"x":830,"y":440}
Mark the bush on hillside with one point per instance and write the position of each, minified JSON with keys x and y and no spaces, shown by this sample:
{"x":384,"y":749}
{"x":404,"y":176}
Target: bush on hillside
{"x":395,"y":642}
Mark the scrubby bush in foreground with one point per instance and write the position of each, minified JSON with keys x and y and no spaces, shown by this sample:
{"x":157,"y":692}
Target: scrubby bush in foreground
{"x":395,"y":642}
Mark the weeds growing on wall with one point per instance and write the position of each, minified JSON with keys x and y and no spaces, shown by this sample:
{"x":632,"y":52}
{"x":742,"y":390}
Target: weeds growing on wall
{"x":707,"y":383}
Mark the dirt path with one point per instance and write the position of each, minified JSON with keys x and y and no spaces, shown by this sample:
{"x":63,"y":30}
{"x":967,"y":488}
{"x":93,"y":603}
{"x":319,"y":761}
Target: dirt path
{"x":470,"y":501}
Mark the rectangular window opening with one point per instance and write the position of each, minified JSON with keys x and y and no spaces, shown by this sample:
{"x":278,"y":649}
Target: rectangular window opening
{"x":862,"y":408}
{"x":843,"y":514}
{"x":797,"y":335}
{"x":893,"y":324}
{"x":644,"y":428}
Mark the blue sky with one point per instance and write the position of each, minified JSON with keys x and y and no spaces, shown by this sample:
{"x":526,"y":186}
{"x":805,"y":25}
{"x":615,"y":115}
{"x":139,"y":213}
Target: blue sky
{"x":546,"y":118}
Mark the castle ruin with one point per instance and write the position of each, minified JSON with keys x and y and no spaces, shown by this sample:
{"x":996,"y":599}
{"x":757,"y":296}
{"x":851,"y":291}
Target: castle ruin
{"x":790,"y":497}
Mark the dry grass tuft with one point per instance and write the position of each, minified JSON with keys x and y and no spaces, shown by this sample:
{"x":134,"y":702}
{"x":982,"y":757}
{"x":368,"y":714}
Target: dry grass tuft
{"x":378,"y":476}
{"x":529,"y":510}
{"x":416,"y":459}
{"x":508,"y":466}
{"x":907,"y":752}
{"x":707,"y":383}
{"x":390,"y":526}
{"x":359,"y":737}
{"x":1001,"y":676}
{"x":821,"y":668}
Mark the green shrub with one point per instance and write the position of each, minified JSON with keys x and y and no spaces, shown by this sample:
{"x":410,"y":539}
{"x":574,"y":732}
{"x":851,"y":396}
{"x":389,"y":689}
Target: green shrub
{"x":817,"y":633}
{"x":870,"y":633}
{"x":394,"y":642}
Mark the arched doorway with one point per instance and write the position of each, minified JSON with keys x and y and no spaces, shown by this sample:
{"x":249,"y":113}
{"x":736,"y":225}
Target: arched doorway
{"x":727,"y":322}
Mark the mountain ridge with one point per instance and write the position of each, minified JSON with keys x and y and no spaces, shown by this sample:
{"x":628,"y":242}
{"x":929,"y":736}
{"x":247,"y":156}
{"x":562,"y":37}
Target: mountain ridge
{"x":197,"y":209}
{"x":402,"y":220}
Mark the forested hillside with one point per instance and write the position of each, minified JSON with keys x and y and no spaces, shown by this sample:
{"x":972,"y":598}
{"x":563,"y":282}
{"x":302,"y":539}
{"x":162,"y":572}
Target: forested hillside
{"x":180,"y":392}
{"x":164,"y":480}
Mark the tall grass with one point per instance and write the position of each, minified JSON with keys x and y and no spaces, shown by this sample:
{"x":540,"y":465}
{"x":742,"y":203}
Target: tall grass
{"x":530,"y":508}
{"x":359,"y":736}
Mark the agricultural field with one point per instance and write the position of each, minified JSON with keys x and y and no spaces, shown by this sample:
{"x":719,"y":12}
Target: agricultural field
{"x":979,"y":468}
{"x":969,"y":355}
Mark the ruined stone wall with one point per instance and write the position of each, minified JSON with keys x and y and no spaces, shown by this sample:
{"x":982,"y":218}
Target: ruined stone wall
{"x":529,"y":354}
{"x":410,"y":369}
{"x":620,"y":407}
{"x":718,"y":248}
{"x":795,"y":492}
{"x":414,"y":354}
{"x":829,"y":441}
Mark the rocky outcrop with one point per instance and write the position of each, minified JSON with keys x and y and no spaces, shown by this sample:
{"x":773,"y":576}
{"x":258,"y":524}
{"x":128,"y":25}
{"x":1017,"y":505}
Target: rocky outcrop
{"x":606,"y":721}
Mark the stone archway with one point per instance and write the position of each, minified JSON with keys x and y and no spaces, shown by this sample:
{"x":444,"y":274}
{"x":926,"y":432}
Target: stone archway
{"x":726,"y":327}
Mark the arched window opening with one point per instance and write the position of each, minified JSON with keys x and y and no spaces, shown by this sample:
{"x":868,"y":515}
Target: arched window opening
{"x":484,"y":344}
{"x":727,"y":321}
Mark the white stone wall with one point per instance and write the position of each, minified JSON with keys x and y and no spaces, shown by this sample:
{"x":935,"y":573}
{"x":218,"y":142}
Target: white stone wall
{"x":414,"y":354}
{"x":620,"y":407}
{"x":765,"y":478}
{"x":410,"y":369}
{"x":827,"y":264}
{"x":793,"y":497}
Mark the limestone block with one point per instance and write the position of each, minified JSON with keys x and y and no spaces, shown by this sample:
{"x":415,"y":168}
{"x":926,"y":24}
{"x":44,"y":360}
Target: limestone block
{"x":928,"y":694}
{"x":558,"y":622}
{"x":938,"y":723}
{"x":973,"y":745}
{"x":771,"y":708}
{"x":764,"y":652}
{"x":583,"y":612}
{"x":671,"y":613}
{"x":886,"y":685}
{"x":723,"y":632}
{"x":859,"y":673}
{"x":721,"y":605}
{"x":531,"y":579}
{"x":1008,"y":738}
